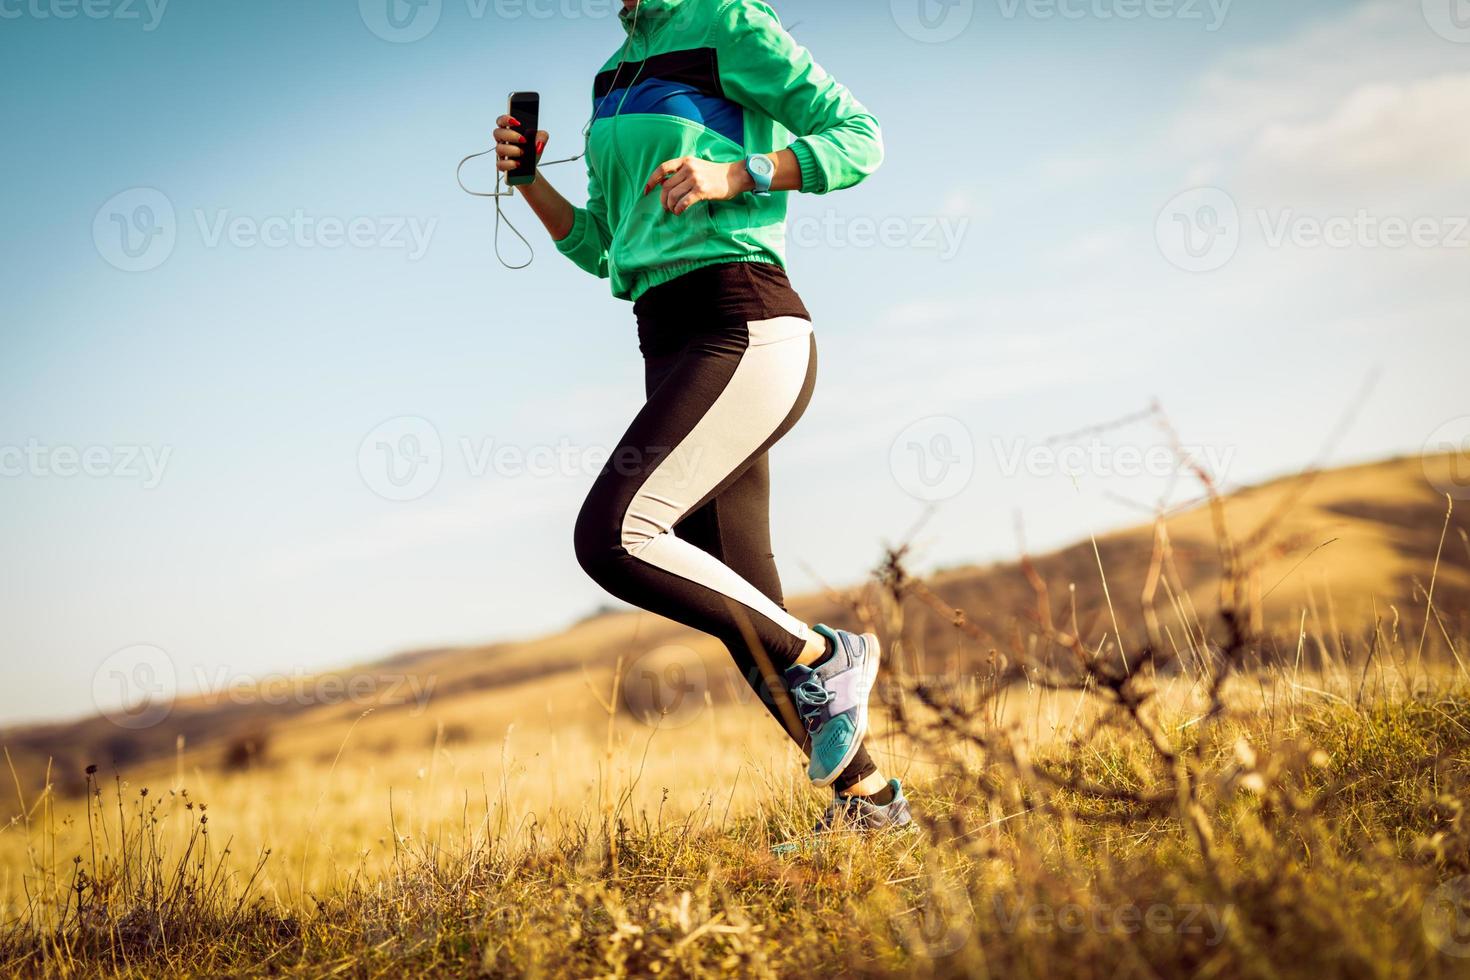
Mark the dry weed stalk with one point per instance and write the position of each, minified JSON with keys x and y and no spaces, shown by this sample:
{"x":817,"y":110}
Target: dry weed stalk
{"x":1189,"y":765}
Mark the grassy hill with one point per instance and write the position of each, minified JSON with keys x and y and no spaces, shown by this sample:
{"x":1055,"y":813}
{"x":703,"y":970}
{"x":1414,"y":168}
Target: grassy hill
{"x":1346,"y":546}
{"x":1287,"y":804}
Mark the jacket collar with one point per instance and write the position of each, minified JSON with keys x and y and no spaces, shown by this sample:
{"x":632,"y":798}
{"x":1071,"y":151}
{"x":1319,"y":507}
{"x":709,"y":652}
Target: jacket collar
{"x":650,"y":15}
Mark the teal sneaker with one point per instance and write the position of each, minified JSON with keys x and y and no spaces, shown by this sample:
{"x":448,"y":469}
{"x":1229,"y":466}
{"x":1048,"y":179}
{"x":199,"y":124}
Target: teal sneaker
{"x":860,"y":813}
{"x":832,"y":699}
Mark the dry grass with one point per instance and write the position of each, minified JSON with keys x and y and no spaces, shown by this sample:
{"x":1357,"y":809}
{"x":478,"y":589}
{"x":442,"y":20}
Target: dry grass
{"x":1323,"y":828}
{"x":1149,"y":792}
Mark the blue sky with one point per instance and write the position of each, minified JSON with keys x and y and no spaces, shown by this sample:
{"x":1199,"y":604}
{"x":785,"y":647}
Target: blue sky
{"x":1087,"y":204}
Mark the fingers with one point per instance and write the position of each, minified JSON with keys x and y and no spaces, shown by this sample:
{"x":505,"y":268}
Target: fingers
{"x":506,"y":121}
{"x":666,"y":171}
{"x":679,"y":185}
{"x":508,"y":146}
{"x":542,"y":138}
{"x":688,"y":201}
{"x":675,"y":191}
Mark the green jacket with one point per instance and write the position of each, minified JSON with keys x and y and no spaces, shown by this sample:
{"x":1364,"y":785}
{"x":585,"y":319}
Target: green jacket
{"x":719,"y":80}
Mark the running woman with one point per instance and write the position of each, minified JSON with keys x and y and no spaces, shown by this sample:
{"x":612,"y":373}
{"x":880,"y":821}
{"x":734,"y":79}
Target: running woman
{"x":704,"y":120}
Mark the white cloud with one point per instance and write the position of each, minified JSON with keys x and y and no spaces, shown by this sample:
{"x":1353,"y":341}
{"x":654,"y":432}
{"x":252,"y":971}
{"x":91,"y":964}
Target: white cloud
{"x":1405,"y":131}
{"x":1303,"y":77}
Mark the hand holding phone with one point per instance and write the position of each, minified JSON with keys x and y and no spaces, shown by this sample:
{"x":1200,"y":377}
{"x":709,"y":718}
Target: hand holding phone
{"x":523,"y":118}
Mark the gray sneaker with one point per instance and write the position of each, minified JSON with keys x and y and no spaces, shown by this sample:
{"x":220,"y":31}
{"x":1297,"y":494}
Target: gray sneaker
{"x":832,"y":699}
{"x":861,"y":814}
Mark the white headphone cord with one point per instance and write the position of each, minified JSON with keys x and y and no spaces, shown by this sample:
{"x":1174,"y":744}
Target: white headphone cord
{"x":498,"y":194}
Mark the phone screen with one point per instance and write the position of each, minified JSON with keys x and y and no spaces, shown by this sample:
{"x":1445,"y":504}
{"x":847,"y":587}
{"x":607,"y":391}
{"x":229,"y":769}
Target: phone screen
{"x":525,"y":107}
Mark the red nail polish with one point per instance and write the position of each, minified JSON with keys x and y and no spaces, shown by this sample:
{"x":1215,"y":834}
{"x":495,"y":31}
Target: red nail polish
{"x":513,"y":120}
{"x":539,"y":147}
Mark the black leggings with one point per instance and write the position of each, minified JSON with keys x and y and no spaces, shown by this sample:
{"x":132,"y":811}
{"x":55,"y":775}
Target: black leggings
{"x":678,"y":520}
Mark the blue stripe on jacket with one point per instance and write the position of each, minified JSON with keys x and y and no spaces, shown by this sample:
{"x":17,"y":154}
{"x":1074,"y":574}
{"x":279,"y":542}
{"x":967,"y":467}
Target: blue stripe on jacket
{"x":655,"y":96}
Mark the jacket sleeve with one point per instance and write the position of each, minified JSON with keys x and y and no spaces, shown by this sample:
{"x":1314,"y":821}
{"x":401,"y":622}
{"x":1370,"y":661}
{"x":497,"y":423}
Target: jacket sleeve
{"x":588,"y":242}
{"x":762,"y":66}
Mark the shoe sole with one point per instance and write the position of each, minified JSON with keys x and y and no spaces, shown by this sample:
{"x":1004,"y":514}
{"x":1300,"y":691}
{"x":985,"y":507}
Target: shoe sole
{"x":870,"y":677}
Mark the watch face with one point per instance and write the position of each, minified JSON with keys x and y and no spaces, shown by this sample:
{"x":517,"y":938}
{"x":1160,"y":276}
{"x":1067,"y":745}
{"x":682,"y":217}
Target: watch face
{"x":762,"y":166}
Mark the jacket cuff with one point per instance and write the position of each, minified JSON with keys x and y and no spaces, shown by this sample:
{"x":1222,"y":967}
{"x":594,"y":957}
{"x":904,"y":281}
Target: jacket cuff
{"x":813,"y":181}
{"x":571,"y":244}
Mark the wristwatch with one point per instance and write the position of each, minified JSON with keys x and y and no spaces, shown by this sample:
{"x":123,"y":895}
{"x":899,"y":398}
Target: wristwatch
{"x":762,"y":170}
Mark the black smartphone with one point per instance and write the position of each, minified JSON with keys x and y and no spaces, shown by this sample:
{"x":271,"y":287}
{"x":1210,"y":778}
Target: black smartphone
{"x":525,"y":108}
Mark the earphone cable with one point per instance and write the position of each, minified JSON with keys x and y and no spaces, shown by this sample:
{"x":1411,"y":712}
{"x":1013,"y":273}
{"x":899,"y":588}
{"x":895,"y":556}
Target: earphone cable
{"x":497,"y":195}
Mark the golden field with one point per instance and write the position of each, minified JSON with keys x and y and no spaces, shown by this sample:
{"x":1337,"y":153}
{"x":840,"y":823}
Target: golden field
{"x":1276,"y":754}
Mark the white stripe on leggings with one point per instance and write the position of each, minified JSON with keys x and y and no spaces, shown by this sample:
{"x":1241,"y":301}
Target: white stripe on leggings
{"x":760,"y":394}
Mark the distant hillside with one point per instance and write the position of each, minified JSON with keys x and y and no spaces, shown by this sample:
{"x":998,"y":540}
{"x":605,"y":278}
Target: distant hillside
{"x":1353,"y":544}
